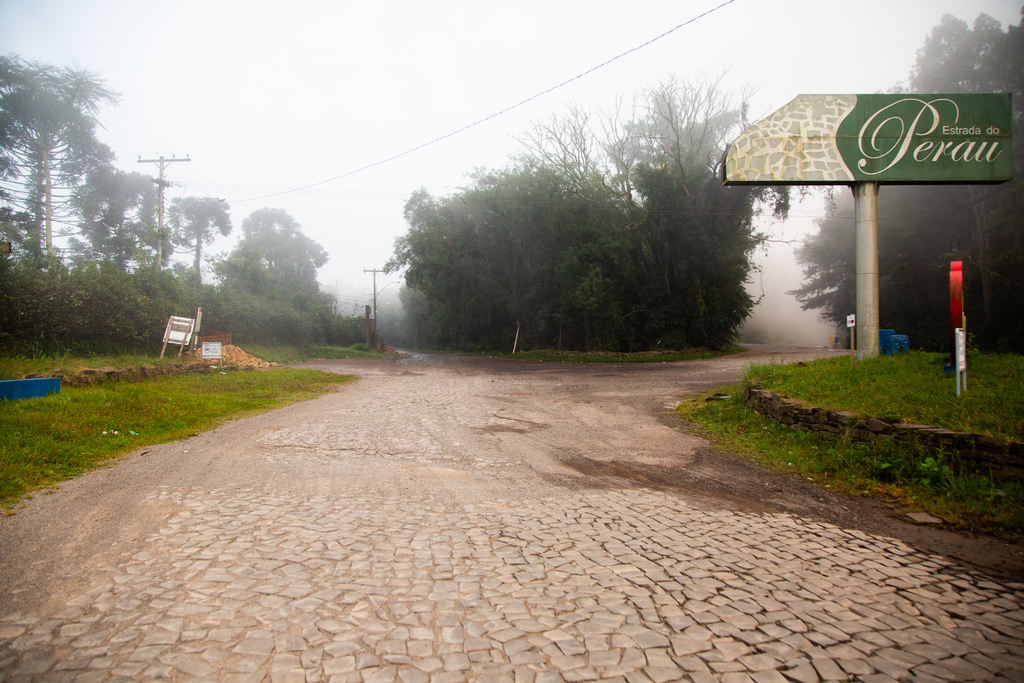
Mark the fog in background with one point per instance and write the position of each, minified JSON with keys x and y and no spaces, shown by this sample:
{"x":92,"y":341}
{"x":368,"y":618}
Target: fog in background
{"x":777,"y":317}
{"x":323,"y":109}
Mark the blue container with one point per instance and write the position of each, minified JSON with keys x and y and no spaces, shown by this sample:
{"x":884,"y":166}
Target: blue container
{"x":17,"y":389}
{"x":900,"y":343}
{"x":891,"y":343}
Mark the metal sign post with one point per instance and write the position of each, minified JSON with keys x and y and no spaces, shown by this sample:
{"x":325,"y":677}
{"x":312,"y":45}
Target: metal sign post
{"x":865,"y":219}
{"x":961,"y":358}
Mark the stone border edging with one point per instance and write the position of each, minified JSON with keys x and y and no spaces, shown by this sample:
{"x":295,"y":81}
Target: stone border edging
{"x":1004,"y":457}
{"x":88,"y":376}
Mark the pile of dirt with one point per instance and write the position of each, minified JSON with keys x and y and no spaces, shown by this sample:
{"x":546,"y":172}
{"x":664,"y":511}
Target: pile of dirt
{"x":236,"y":356}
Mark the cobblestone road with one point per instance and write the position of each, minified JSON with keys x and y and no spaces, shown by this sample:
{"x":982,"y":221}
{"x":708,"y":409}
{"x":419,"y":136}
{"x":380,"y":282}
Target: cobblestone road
{"x":257,"y":584}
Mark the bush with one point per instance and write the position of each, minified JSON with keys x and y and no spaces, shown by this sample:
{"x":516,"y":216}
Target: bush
{"x":98,"y":308}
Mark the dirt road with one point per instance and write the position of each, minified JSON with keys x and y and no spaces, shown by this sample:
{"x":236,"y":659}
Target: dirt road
{"x":446,"y":517}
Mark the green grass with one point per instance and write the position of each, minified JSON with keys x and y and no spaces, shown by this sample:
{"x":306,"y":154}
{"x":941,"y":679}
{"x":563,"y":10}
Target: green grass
{"x":287,"y":355}
{"x":50,"y":439}
{"x":911,"y":387}
{"x":15,"y":368}
{"x":614,"y":357}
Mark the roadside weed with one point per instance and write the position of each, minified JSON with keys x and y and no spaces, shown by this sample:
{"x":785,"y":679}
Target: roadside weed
{"x":904,"y":475}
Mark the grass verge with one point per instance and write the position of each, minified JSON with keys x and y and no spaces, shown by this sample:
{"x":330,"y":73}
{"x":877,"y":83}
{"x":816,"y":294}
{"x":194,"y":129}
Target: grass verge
{"x":614,"y":357}
{"x":50,"y":439}
{"x":903,"y":475}
{"x":287,"y":355}
{"x":910,"y":387}
{"x":15,"y":368}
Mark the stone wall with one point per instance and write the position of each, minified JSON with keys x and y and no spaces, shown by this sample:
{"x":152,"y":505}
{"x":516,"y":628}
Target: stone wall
{"x":1005,"y":458}
{"x":89,"y":376}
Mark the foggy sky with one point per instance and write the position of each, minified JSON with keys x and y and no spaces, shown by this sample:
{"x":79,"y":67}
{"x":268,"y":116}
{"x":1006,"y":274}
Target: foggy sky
{"x":266,"y":97}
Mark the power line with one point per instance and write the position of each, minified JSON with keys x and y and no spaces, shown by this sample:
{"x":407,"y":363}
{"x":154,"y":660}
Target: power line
{"x":496,"y":114}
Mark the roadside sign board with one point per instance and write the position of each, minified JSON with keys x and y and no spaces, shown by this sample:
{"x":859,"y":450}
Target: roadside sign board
{"x":906,"y":138}
{"x":211,"y":350}
{"x":961,"y":349}
{"x":959,"y":138}
{"x":179,"y":331}
{"x":961,"y":359}
{"x":851,"y":320}
{"x":956,"y":304}
{"x":866,"y":141}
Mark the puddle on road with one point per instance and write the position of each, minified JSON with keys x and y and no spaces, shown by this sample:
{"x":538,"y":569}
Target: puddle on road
{"x":491,"y":429}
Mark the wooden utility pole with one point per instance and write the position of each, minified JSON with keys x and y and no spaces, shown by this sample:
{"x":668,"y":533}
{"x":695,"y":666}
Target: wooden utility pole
{"x":374,"y":271}
{"x":161,"y":183}
{"x":369,"y":336}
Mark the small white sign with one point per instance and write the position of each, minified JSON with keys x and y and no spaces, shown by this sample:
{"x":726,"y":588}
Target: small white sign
{"x":851,"y":321}
{"x":211,"y":350}
{"x":961,"y":349}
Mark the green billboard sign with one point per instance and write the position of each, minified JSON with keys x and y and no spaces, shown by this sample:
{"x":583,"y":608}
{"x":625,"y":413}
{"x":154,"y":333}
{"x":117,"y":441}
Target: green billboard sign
{"x":909,"y":138}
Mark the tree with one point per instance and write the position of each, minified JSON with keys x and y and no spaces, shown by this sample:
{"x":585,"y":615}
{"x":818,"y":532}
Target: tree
{"x":273,"y":257}
{"x":983,"y":58}
{"x":116,"y":212}
{"x":195,"y":222}
{"x":624,"y":243}
{"x":48,"y":138}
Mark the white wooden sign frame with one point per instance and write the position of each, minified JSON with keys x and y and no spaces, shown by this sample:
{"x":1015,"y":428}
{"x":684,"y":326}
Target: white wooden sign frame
{"x":179,"y":331}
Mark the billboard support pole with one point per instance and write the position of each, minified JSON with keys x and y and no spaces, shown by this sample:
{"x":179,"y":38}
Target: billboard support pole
{"x":865,"y":210}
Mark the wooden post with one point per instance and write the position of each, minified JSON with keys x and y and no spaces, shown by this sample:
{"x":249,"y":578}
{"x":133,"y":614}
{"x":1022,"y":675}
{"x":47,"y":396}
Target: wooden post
{"x":167,"y":333}
{"x":368,"y":327}
{"x":195,"y":332}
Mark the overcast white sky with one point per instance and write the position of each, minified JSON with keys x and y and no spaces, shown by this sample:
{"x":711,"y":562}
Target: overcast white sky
{"x":266,"y":97}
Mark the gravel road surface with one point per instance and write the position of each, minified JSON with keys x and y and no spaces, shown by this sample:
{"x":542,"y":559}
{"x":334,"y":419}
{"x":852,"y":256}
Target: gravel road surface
{"x":450,"y":518}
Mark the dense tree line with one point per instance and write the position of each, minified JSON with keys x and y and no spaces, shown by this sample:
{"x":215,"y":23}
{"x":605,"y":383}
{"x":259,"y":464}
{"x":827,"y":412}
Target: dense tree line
{"x":626,"y":242}
{"x":111,"y":290}
{"x":922,"y":228}
{"x":96,"y":306}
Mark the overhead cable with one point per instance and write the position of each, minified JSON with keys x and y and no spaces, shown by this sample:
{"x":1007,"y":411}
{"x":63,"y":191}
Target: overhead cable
{"x":492,"y":116}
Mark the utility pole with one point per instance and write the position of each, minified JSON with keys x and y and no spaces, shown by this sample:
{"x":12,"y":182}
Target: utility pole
{"x":161,"y":184}
{"x":369,"y":332}
{"x":374,"y":271}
